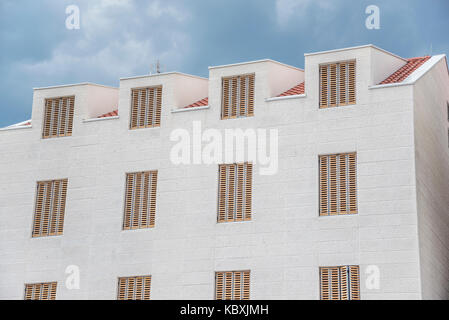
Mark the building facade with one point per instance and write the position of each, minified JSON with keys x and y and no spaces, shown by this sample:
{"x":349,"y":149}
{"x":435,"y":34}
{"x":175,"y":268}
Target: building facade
{"x":356,"y":208}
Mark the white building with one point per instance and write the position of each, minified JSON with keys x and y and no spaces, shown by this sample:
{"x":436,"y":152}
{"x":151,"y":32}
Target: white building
{"x":380,"y":212}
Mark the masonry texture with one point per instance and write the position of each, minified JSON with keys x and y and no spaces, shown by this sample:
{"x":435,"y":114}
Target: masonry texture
{"x":398,"y":128}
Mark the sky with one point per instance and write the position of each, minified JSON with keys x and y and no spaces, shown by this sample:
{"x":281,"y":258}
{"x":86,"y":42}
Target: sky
{"x":122,"y":38}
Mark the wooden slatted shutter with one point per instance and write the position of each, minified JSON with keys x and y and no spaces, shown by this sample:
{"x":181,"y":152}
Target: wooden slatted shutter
{"x":324,"y":92}
{"x":232,"y":285}
{"x":41,"y":291}
{"x":354,"y":277}
{"x":332,"y":85}
{"x":140,"y":200}
{"x":338,"y":185}
{"x":337,"y":84}
{"x":248,"y":190}
{"x":352,"y":177}
{"x":340,"y":283}
{"x":351,"y":82}
{"x":58,"y":117}
{"x":238,"y":96}
{"x":146,"y":105}
{"x":234,"y":192}
{"x":50,"y":208}
{"x":222,"y":193}
{"x":134,"y":288}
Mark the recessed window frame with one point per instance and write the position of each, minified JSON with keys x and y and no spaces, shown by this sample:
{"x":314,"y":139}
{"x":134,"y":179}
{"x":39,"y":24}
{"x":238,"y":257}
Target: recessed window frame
{"x":240,"y":104}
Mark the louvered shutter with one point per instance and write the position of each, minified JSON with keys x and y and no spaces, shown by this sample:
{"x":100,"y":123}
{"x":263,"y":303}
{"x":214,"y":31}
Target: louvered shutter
{"x":234,"y":192}
{"x":248,"y":190}
{"x":324,"y":178}
{"x":146,"y":105}
{"x":324,"y":284}
{"x":352,"y":172}
{"x":324,"y":92}
{"x":232,"y":285}
{"x":231,"y":192}
{"x":238,"y":96}
{"x":240,"y":191}
{"x":50,"y":208}
{"x":246,"y":285}
{"x":337,"y":178}
{"x":332,"y":85}
{"x":140,"y":200}
{"x":219,"y":286}
{"x":58,"y":117}
{"x":344,"y":294}
{"x":351,"y":82}
{"x":153,"y":198}
{"x":355,"y":282}
{"x":40,"y":291}
{"x":337,"y":84}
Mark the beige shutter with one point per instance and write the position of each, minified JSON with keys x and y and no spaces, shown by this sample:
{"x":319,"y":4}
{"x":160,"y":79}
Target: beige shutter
{"x":240,"y":192}
{"x":40,"y":291}
{"x":246,"y":285}
{"x":222,"y":169}
{"x":140,"y":200}
{"x":50,"y":208}
{"x":226,"y":101}
{"x":228,"y":285}
{"x":231,"y":192}
{"x":343,"y":81}
{"x":158,"y":106}
{"x":137,"y":201}
{"x":146,"y":105}
{"x":323,"y":162}
{"x":238,"y":279}
{"x":351,"y":83}
{"x":338,"y":184}
{"x":344,"y":283}
{"x":121,"y":288}
{"x":128,"y":201}
{"x":143,"y":108}
{"x":324,"y":83}
{"x":352,"y":163}
{"x":153,"y":198}
{"x":355,"y":282}
{"x":238,"y":96}
{"x":333,"y":184}
{"x":333,"y":85}
{"x":58,"y":117}
{"x":250,"y":108}
{"x":248,"y":190}
{"x":219,"y":286}
{"x":134,"y":108}
{"x":324,"y":284}
{"x":343,"y":184}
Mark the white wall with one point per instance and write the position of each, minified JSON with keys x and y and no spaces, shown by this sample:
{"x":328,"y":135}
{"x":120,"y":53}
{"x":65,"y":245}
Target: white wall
{"x":286,"y":241}
{"x":431,"y":96}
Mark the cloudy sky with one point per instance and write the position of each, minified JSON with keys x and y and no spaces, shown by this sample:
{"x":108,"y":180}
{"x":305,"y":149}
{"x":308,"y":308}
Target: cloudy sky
{"x":119,"y":38}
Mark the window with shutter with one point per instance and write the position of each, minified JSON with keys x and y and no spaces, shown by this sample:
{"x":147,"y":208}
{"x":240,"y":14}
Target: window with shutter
{"x":338,"y":184}
{"x":340,"y":283}
{"x":337,"y":84}
{"x":146,"y":104}
{"x":235,"y":192}
{"x":140,"y":200}
{"x":40,"y":291}
{"x":134,"y":288}
{"x":232,"y":285}
{"x":238,"y":96}
{"x":50,"y":208}
{"x":58,"y":117}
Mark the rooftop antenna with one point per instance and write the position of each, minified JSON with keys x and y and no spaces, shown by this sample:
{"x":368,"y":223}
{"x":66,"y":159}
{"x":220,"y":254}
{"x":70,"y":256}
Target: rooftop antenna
{"x":156,"y":68}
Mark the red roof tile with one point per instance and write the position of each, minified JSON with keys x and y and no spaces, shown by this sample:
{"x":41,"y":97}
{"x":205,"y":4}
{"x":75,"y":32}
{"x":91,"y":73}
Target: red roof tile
{"x":199,"y":103}
{"x":298,"y":89}
{"x":402,"y":73}
{"x":109,"y":114}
